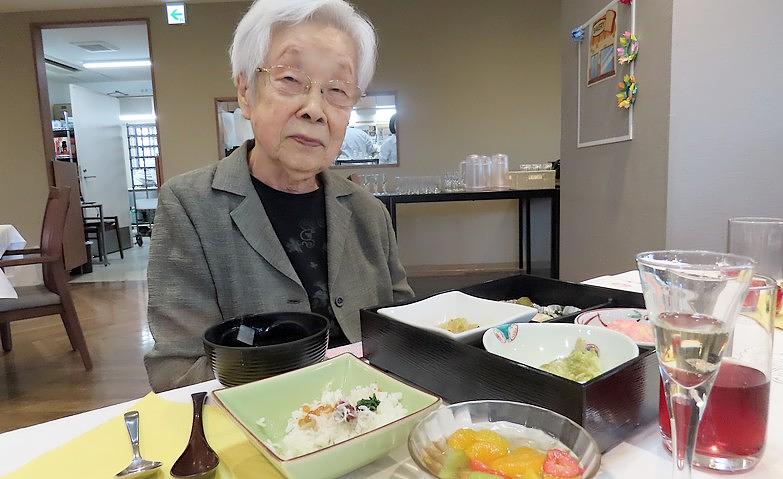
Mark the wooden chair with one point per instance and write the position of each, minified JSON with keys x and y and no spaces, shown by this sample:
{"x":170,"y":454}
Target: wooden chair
{"x":53,"y":296}
{"x":92,"y":226}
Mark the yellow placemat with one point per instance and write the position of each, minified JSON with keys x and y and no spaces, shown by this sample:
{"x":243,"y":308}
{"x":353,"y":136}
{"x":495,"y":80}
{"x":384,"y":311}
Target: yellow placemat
{"x":164,"y":432}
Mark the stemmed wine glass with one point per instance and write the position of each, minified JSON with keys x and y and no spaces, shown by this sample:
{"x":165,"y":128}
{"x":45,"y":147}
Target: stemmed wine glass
{"x":693,"y":298}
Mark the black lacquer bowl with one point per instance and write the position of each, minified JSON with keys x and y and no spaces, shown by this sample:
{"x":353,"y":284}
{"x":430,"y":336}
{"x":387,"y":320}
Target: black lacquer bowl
{"x":253,"y":347}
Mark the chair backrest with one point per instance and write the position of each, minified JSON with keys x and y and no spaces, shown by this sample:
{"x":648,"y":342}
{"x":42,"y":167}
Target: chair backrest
{"x":52,"y":232}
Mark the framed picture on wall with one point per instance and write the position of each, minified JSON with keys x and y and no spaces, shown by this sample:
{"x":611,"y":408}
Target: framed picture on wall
{"x":599,"y":121}
{"x":603,"y":43}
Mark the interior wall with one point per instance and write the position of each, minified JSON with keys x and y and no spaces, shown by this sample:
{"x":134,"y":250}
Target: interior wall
{"x":140,"y":105}
{"x":726,"y":133}
{"x":613,"y":197}
{"x":59,"y":92}
{"x":469,"y":78}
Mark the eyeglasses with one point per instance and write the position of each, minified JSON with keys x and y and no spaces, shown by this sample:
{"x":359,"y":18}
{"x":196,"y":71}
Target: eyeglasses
{"x":291,"y":81}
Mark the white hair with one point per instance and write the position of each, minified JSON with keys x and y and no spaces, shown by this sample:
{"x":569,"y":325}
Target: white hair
{"x":251,"y":38}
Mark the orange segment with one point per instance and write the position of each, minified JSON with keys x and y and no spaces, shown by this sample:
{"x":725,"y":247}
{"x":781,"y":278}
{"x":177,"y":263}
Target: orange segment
{"x":485,"y":452}
{"x":523,"y":462}
{"x":492,"y":437}
{"x":462,"y":439}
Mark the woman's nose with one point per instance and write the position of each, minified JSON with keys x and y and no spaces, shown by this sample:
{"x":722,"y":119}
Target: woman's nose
{"x":313,"y":108}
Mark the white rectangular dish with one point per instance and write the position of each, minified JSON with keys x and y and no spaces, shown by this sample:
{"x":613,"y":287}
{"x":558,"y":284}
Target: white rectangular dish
{"x":429,"y":313}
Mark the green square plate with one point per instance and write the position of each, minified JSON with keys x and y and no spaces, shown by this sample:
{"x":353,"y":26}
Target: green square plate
{"x":275,"y":398}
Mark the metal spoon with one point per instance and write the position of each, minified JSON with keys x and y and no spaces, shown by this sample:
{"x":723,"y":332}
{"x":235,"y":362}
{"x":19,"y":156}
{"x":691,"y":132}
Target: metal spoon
{"x":198,"y":459}
{"x":138,"y":467}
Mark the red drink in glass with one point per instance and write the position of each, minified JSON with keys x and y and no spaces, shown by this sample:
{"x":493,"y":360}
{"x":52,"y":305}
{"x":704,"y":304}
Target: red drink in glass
{"x":734,"y":425}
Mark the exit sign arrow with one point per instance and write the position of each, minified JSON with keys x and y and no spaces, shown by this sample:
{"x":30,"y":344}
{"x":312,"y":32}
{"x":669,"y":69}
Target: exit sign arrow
{"x":175,"y":13}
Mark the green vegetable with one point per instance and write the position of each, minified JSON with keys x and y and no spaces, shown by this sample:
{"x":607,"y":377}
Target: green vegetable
{"x":582,"y":365}
{"x":453,"y":463}
{"x":371,"y":403}
{"x":483,"y":475}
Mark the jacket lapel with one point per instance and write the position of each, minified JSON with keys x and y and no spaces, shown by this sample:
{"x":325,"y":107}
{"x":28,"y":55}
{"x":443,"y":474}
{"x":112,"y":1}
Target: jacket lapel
{"x":338,"y":220}
{"x":232,"y":175}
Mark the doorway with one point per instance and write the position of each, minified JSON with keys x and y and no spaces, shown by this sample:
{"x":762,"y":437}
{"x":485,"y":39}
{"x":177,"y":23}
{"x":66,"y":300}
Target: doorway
{"x":97,"y":95}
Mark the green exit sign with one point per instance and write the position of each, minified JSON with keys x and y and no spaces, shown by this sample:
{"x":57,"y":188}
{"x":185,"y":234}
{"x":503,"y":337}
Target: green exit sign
{"x":175,"y":14}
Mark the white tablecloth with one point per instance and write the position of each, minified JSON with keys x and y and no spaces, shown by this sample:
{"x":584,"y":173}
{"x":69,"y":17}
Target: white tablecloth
{"x":9,"y":239}
{"x":641,"y":456}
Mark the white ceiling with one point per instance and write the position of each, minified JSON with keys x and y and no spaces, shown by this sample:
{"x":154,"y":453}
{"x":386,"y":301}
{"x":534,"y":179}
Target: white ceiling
{"x":32,"y":5}
{"x":130,"y":42}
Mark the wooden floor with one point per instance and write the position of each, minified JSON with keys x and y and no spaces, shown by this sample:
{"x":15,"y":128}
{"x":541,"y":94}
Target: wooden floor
{"x":42,"y":379}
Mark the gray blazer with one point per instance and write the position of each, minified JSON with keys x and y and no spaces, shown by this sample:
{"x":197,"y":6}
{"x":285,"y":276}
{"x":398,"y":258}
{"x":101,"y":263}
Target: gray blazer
{"x":214,"y":255}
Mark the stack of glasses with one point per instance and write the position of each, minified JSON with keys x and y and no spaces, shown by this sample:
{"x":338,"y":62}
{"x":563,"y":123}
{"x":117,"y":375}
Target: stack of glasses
{"x":417,"y":185}
{"x":375,"y":183}
{"x":482,"y":172}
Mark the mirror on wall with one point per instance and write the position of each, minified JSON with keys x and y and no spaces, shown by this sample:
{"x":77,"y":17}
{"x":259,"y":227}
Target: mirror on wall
{"x":233,"y":128}
{"x":370,"y":139}
{"x":371,"y":136}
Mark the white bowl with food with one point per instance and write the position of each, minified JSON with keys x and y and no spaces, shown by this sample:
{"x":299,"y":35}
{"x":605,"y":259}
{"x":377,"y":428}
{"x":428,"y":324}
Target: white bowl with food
{"x":576,"y":352}
{"x":632,"y":322}
{"x":457,"y":315}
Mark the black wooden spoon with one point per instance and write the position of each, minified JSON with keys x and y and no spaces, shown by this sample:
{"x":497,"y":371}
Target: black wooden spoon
{"x":198,"y":459}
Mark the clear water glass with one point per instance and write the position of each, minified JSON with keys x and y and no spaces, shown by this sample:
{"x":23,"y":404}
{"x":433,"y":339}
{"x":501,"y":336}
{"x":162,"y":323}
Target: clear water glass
{"x":499,"y":175}
{"x":693,"y":298}
{"x":473,"y":172}
{"x":762,"y":240}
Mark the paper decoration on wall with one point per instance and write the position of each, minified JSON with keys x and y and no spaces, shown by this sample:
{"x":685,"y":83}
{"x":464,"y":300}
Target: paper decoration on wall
{"x":578,"y":34}
{"x":603,"y":42}
{"x":628,"y":49}
{"x":628,"y":92}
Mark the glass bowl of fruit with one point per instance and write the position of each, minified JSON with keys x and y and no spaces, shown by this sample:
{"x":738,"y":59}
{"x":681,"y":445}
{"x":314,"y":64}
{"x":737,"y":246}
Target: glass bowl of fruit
{"x":502,"y":440}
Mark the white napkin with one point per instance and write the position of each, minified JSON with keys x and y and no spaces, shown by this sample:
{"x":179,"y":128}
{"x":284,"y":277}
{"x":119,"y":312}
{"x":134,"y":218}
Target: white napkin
{"x":9,"y":239}
{"x":628,"y":281}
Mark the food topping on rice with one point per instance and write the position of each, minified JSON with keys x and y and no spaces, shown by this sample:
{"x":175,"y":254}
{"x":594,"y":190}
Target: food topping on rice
{"x":337,"y":417}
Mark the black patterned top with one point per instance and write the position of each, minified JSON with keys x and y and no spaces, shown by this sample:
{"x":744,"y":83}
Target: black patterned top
{"x":299,"y":220}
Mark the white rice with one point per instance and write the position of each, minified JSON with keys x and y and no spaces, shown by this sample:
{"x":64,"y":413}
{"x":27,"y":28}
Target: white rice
{"x":328,"y":429}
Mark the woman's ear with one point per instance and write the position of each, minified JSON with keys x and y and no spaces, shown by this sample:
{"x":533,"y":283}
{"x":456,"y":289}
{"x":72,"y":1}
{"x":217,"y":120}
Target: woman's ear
{"x":244,"y":96}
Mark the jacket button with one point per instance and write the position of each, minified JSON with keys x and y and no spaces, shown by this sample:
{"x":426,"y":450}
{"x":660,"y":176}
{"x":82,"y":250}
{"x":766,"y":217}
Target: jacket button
{"x":339,"y":302}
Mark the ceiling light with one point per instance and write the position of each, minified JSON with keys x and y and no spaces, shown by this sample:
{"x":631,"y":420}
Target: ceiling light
{"x":118,"y":64}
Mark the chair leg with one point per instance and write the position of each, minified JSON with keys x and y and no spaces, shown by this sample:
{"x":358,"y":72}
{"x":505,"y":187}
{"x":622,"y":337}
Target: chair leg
{"x":5,"y":336}
{"x":69,"y":329}
{"x":101,"y":250}
{"x":74,"y":329}
{"x":119,"y":240}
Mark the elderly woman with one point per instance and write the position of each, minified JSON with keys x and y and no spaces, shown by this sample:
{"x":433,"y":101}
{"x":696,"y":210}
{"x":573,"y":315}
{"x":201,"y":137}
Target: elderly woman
{"x":269,"y":228}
